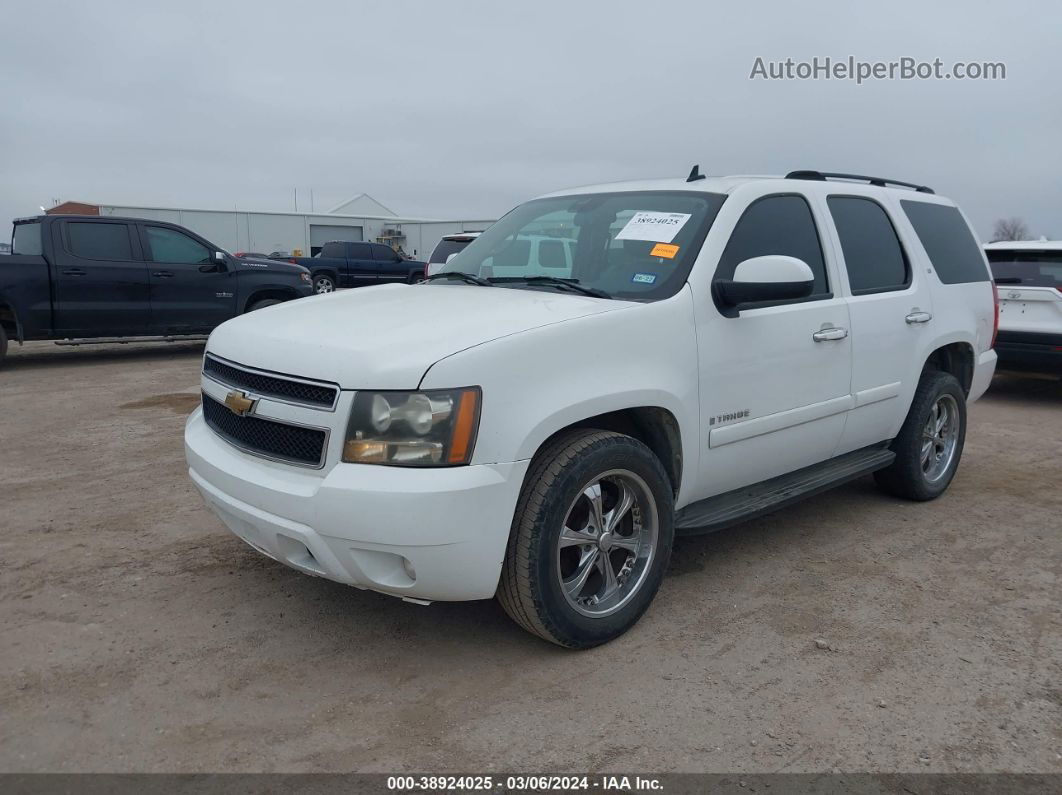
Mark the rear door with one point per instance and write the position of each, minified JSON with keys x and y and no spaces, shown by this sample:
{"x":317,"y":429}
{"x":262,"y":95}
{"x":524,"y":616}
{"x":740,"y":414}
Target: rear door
{"x":361,"y":266}
{"x":101,"y":280}
{"x":891,"y":311}
{"x":1029,"y":283}
{"x":190,"y":291}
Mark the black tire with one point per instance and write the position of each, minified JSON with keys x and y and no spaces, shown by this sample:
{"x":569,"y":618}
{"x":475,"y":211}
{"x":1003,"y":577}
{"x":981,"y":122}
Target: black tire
{"x":906,"y":477}
{"x":323,"y":283}
{"x":3,"y":345}
{"x":530,"y":590}
{"x":263,"y":304}
{"x":415,"y":277}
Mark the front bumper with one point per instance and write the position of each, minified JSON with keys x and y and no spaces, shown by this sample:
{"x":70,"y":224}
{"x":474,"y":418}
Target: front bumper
{"x":425,"y":534}
{"x":1035,"y":352}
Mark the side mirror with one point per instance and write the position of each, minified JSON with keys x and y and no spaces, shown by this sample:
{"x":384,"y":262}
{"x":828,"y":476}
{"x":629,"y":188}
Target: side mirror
{"x":771,"y":278}
{"x":219,"y":265}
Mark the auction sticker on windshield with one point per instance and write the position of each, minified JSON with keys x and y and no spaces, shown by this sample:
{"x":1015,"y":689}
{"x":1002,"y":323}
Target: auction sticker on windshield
{"x":656,"y":227}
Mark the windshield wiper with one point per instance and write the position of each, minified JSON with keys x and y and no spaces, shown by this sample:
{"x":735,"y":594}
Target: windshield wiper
{"x":467,"y":278}
{"x":554,"y":281}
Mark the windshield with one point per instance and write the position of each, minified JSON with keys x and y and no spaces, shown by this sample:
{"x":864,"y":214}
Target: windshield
{"x":632,"y":245}
{"x":1032,"y":268}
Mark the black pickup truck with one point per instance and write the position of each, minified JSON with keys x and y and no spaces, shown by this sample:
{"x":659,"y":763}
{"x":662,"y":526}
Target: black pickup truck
{"x":76,"y":277}
{"x":343,"y":264}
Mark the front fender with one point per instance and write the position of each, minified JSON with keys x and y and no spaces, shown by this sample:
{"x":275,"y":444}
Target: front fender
{"x":540,"y":381}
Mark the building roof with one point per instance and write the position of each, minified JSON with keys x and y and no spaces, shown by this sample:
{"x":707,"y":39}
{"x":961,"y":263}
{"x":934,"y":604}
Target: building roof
{"x":362,"y":203}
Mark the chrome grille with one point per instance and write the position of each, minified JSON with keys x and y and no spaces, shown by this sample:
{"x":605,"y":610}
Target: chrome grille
{"x":264,"y":384}
{"x":268,"y":438}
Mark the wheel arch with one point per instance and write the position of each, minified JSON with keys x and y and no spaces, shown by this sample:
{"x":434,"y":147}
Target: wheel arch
{"x":654,"y":426}
{"x":261,"y":294}
{"x":957,"y":358}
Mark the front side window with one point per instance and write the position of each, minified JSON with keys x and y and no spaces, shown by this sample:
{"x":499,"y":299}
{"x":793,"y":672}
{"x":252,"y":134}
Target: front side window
{"x":636,"y":245}
{"x":872,"y":253}
{"x":780,"y":225}
{"x":173,"y":247}
{"x":99,"y":241}
{"x":1027,"y":267}
{"x":948,"y":241}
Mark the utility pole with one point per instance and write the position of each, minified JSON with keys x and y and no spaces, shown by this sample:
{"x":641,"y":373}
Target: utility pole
{"x":296,"y":199}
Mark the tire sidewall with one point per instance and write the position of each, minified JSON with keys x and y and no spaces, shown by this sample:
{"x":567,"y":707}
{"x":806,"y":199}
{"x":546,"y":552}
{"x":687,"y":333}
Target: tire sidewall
{"x":569,"y":625}
{"x":3,"y":345}
{"x":324,"y":277}
{"x":941,"y":384}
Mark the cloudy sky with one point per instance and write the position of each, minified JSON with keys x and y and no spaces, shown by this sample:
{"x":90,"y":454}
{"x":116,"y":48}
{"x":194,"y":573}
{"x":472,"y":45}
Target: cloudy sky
{"x":461,"y":109}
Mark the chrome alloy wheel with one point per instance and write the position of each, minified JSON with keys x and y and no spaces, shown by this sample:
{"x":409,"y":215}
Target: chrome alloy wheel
{"x":940,"y":437}
{"x":607,"y":543}
{"x":322,"y":286}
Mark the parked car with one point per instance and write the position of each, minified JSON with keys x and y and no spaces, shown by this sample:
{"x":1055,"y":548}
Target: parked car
{"x":92,"y":278}
{"x":721,"y":348}
{"x":1029,"y":280}
{"x":448,"y":247}
{"x":344,"y":264}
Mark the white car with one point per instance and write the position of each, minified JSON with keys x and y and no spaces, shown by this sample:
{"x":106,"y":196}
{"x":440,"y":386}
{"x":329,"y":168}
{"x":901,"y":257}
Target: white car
{"x":720,"y":348}
{"x":447,"y":248}
{"x":1029,"y":280}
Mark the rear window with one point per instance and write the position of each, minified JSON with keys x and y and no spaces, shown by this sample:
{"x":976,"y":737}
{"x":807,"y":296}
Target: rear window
{"x":446,"y":248}
{"x":99,"y":241}
{"x":1029,"y":268}
{"x":947,"y":239}
{"x":27,"y":239}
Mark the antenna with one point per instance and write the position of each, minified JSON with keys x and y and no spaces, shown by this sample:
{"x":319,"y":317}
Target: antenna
{"x":695,"y":174}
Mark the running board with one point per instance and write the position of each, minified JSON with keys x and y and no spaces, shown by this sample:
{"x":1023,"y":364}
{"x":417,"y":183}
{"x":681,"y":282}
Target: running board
{"x":739,"y":505}
{"x":131,"y":340}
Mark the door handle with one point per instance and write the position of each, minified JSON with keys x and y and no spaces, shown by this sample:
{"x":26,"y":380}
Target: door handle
{"x":74,"y":272}
{"x":828,"y":334}
{"x":163,"y":274}
{"x":918,"y":317}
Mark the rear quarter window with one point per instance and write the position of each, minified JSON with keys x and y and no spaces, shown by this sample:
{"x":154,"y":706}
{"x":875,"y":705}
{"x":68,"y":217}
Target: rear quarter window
{"x":27,"y":239}
{"x":948,"y":242}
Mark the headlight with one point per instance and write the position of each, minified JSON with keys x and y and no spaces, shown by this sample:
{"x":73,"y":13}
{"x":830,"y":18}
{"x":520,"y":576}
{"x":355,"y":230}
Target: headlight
{"x":414,"y":429}
{"x":304,"y":276}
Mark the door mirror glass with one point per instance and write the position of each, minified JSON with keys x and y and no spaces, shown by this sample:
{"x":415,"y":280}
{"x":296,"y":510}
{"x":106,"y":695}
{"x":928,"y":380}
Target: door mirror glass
{"x":770,"y":278}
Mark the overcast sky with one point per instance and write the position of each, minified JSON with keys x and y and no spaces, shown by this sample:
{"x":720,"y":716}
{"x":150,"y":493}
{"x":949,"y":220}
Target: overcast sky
{"x":461,"y":110}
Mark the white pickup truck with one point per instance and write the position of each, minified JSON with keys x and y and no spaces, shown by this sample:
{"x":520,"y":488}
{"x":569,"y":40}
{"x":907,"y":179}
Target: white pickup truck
{"x":716,"y":349}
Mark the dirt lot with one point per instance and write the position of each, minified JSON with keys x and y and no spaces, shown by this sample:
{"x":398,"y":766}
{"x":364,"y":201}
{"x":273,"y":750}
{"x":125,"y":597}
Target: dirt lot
{"x":138,"y":634}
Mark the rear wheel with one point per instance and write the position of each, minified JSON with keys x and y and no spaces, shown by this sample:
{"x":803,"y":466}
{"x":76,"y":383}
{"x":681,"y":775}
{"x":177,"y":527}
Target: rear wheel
{"x":415,"y":277}
{"x":590,"y":540}
{"x":929,"y":445}
{"x":323,"y":284}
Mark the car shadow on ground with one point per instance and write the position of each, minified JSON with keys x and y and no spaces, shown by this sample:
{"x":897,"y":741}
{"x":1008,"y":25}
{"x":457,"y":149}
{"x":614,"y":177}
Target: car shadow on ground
{"x":36,"y":356}
{"x":1025,"y":388}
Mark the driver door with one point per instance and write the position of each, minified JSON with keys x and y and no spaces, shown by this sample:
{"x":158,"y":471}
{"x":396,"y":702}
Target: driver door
{"x":189,"y":290}
{"x":775,"y":391}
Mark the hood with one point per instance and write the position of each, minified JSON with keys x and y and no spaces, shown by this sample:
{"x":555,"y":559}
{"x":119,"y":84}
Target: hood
{"x":386,"y":337}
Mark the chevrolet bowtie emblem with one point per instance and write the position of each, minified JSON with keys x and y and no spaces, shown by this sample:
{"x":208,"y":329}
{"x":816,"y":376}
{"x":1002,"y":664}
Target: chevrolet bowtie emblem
{"x":238,"y":403}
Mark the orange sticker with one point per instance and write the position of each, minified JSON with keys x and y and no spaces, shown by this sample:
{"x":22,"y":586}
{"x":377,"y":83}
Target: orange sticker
{"x":665,"y":250}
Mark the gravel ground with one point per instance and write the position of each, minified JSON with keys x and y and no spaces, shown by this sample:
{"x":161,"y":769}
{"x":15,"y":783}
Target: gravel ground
{"x":853,"y":631}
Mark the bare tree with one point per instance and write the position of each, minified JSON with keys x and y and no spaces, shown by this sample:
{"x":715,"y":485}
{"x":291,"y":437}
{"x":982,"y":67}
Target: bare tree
{"x":1010,"y":229}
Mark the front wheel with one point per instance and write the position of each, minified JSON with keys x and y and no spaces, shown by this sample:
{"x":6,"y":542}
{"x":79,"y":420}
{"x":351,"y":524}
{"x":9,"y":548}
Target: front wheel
{"x":929,"y":445}
{"x":323,"y":284}
{"x":590,"y":540}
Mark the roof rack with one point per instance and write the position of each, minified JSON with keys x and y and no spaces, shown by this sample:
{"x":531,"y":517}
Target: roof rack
{"x":880,"y":182}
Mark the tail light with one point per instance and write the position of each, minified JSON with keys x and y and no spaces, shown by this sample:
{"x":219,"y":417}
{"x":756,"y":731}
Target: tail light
{"x":995,"y":321}
{"x":292,"y":261}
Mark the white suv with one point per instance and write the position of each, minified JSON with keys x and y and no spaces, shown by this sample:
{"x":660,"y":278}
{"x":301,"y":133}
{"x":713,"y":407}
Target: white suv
{"x":721,"y":348}
{"x":1029,"y":282}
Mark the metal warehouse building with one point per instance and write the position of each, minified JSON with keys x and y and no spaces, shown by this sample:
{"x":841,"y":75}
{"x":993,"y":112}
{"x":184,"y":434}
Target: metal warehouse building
{"x":360,"y":218}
